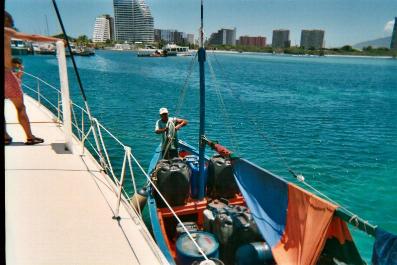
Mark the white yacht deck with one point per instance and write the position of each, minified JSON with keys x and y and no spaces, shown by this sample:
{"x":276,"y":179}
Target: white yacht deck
{"x":59,"y":205}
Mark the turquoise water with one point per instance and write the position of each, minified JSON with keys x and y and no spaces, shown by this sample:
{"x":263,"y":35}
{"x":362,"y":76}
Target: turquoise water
{"x":334,"y":120}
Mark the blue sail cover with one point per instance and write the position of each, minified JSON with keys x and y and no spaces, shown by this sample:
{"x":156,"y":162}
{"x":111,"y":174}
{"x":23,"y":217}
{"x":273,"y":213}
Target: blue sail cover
{"x":267,"y":197}
{"x":385,"y":248}
{"x":299,"y":226}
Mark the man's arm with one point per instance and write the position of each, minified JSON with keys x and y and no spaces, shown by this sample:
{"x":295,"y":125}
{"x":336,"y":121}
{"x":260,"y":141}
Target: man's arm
{"x":158,"y":130}
{"x":30,"y":37}
{"x":180,"y":123}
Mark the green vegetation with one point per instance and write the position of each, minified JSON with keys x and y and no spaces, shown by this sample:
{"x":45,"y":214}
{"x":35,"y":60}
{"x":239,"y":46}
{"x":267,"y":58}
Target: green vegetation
{"x":83,"y":40}
{"x":240,"y":48}
{"x":62,"y":36}
{"x":344,"y":50}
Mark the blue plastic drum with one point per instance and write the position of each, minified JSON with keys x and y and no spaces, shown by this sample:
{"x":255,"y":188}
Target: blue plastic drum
{"x":193,"y":163}
{"x":187,"y":252}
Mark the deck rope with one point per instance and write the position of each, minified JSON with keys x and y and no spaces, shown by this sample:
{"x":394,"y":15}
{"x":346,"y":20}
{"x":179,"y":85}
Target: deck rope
{"x":170,"y":208}
{"x":170,"y":137}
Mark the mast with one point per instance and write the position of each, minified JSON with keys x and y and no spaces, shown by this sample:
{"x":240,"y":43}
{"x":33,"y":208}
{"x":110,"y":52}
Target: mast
{"x":201,"y":59}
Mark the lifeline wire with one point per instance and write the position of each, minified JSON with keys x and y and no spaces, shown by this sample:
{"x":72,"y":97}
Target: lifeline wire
{"x":300,"y":178}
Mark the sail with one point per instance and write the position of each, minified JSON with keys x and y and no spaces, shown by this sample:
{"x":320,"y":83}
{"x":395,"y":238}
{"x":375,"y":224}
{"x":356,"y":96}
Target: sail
{"x":299,"y":226}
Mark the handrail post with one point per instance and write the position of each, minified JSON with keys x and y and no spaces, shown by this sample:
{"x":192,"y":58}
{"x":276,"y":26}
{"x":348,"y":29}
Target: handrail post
{"x":38,"y":92}
{"x":63,"y":77}
{"x":58,"y":111}
{"x":120,"y":187}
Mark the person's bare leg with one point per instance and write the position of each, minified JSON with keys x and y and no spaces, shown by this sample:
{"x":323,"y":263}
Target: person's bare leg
{"x":23,"y":116}
{"x":7,"y":137}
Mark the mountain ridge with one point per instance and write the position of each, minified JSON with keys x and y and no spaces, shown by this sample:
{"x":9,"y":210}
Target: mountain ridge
{"x":375,"y":43}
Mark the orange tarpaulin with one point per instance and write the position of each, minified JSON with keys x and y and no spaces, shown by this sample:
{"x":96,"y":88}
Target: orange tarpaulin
{"x":308,"y":219}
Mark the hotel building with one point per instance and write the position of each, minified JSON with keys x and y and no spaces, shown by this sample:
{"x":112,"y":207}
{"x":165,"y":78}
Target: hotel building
{"x":312,"y":39}
{"x":173,"y":36}
{"x":281,"y":38}
{"x":252,"y":41}
{"x":103,"y":29}
{"x":223,"y":37}
{"x":133,"y":21}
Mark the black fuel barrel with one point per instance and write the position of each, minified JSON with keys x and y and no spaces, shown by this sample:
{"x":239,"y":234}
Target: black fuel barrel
{"x":172,"y":179}
{"x":221,"y":182}
{"x":255,"y":253}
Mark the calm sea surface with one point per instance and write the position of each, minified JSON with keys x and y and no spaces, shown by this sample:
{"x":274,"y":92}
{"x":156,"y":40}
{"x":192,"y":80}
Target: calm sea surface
{"x":334,"y":120}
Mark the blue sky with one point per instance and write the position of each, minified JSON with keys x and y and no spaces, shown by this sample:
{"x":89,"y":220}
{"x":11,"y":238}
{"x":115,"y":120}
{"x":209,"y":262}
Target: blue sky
{"x":344,"y":21}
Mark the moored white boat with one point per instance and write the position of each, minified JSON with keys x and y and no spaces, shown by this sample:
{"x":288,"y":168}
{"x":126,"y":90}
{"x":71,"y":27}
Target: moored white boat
{"x":175,"y":50}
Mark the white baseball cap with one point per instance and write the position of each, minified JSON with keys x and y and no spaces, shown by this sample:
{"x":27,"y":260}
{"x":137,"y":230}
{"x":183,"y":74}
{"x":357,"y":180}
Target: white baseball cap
{"x":163,"y":110}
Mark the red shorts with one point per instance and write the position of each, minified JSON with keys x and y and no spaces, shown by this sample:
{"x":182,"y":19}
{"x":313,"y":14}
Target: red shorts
{"x":12,"y":86}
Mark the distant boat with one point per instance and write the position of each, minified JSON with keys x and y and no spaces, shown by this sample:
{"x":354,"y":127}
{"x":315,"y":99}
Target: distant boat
{"x":21,"y":47}
{"x":84,"y":51}
{"x":44,"y":48}
{"x":151,"y":53}
{"x":175,"y":50}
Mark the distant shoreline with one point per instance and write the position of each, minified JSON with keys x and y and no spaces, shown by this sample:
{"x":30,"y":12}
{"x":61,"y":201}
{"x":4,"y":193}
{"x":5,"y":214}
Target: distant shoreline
{"x":277,"y":54}
{"x":304,"y":55}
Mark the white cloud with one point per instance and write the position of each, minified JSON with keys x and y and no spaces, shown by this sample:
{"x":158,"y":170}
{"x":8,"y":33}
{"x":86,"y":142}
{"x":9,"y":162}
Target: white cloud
{"x":389,"y":26}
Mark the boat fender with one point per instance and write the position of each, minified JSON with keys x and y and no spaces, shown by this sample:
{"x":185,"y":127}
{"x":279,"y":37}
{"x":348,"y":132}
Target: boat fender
{"x":139,"y":199}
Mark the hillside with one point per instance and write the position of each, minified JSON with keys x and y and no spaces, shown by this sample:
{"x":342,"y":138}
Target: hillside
{"x":377,"y":43}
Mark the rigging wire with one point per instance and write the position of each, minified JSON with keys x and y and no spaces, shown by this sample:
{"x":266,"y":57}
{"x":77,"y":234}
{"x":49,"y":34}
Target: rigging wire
{"x":261,"y":132}
{"x":300,"y":178}
{"x":70,"y":51}
{"x":223,"y":108}
{"x":183,"y":89}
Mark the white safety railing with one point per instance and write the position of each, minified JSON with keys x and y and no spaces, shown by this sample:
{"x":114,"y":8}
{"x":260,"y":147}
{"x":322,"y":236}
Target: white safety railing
{"x":82,"y":132}
{"x":85,"y":126}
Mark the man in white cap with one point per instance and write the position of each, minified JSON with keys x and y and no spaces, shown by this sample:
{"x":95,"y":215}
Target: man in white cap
{"x":168,"y":128}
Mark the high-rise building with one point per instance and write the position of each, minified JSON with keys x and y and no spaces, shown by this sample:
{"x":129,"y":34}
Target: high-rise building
{"x":103,"y":29}
{"x":393,"y":43}
{"x":190,"y":38}
{"x":173,"y":36}
{"x":133,"y":21}
{"x":312,"y":39}
{"x":223,"y":37}
{"x":281,"y":38}
{"x":143,"y":22}
{"x":252,"y":41}
{"x":123,"y":22}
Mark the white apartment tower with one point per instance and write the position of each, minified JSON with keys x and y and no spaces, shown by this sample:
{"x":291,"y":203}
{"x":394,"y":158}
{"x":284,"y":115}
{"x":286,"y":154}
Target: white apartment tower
{"x":103,"y":29}
{"x":133,"y":21}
